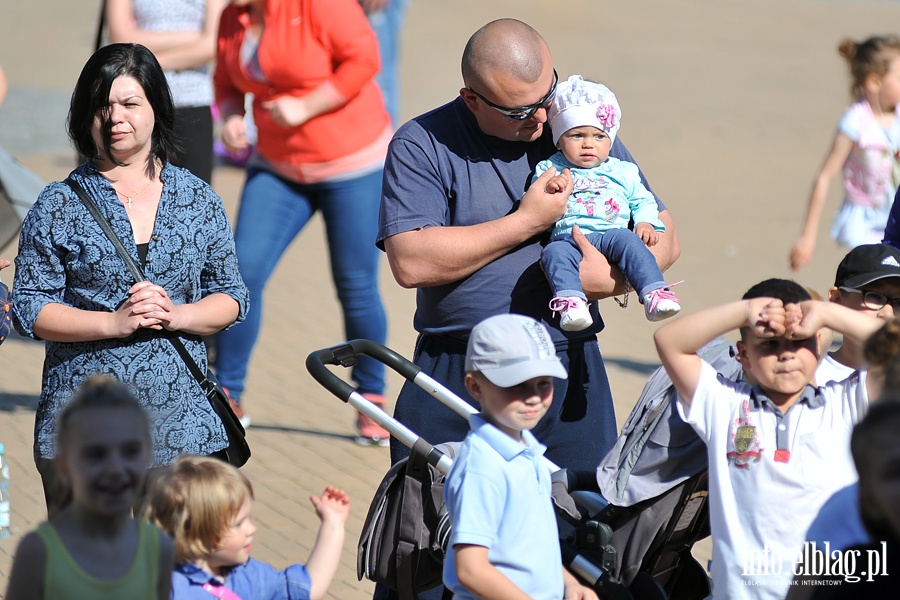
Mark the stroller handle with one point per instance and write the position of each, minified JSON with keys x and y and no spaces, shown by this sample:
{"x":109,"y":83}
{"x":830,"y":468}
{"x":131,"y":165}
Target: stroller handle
{"x":344,"y":355}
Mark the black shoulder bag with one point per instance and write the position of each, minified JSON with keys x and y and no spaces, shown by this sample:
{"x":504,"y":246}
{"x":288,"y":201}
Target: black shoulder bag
{"x":238,"y":452}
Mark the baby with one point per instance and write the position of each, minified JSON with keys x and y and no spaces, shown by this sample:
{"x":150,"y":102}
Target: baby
{"x":607,"y":194}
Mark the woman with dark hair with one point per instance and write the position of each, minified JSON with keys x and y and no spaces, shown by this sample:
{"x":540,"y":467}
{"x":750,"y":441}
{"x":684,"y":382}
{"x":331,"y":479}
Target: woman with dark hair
{"x":73,"y":290}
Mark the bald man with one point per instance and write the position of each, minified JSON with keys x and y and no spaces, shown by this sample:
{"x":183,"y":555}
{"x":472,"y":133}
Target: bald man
{"x":460,"y":224}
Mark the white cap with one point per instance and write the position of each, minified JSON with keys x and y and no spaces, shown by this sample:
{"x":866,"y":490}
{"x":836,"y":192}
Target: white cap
{"x":511,"y":349}
{"x":579,"y":103}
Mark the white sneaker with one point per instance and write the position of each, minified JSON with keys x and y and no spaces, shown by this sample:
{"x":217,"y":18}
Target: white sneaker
{"x":661,"y":304}
{"x":370,"y":432}
{"x":575,"y":315}
{"x":243,"y":417}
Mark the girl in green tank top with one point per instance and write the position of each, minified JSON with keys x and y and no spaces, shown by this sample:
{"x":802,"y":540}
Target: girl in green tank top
{"x":94,"y":548}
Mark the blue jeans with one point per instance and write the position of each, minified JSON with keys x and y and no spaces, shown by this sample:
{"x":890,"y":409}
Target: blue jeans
{"x":273,"y":211}
{"x":388,"y":24}
{"x":562,"y":258}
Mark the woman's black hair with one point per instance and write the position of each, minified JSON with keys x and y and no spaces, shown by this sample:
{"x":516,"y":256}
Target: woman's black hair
{"x":91,"y":97}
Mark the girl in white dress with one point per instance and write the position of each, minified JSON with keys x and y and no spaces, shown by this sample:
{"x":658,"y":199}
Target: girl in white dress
{"x":866,"y":147}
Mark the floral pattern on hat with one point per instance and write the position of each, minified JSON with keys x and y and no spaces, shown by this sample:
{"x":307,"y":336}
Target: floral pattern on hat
{"x":608,"y":116}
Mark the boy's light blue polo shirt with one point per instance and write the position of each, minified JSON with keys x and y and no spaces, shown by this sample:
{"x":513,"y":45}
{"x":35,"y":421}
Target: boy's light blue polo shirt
{"x":498,"y":495}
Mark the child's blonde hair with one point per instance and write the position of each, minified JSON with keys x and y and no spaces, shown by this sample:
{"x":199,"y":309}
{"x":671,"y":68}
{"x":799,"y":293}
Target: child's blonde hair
{"x":195,"y":500}
{"x":872,"y":56}
{"x":98,"y":391}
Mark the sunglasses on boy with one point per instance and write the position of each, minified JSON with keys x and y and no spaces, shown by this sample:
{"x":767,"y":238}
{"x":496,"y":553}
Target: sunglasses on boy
{"x":875,"y":300}
{"x":523,"y":112}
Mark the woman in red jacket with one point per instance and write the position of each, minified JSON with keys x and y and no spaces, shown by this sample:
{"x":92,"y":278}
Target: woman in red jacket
{"x":322,"y":137}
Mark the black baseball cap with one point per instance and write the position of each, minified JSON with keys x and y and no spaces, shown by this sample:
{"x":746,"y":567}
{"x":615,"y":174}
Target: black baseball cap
{"x":868,"y":263}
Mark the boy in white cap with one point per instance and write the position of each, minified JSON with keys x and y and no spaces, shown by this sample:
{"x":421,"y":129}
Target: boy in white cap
{"x":504,"y":541}
{"x":607,"y":194}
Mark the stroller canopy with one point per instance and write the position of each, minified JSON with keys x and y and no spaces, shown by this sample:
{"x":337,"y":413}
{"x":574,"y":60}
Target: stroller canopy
{"x":19,"y":188}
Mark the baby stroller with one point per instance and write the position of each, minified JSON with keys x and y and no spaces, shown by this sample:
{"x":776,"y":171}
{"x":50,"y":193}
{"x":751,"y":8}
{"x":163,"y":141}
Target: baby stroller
{"x":631,"y":551}
{"x":655,"y":480}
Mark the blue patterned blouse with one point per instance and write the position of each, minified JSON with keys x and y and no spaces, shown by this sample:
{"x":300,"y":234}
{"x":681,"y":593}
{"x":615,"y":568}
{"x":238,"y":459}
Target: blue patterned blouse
{"x":64,"y":257}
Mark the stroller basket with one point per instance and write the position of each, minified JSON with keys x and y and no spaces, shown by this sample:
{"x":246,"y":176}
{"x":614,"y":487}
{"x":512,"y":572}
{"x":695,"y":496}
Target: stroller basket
{"x":406,"y":530}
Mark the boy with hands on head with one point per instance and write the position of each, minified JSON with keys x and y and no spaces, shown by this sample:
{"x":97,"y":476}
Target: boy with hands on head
{"x":505,"y":542}
{"x":779,"y":440}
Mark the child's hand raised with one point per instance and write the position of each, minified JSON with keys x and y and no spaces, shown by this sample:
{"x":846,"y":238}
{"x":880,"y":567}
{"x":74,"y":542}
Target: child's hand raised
{"x":333,"y":504}
{"x":541,"y":207}
{"x":332,"y":508}
{"x":804,"y":320}
{"x":766,"y":316}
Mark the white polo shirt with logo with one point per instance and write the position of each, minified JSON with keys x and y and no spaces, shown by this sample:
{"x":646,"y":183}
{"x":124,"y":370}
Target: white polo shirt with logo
{"x":769,"y":474}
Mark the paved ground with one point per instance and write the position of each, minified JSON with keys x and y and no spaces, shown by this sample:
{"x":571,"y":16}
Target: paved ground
{"x":729,"y":108}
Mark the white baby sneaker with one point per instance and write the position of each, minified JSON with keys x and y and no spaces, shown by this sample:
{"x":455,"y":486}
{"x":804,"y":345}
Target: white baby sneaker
{"x":661,"y":304}
{"x":574,"y":313}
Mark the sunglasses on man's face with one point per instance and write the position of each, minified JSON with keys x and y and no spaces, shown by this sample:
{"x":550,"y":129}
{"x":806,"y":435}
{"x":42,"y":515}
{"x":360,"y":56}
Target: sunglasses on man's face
{"x":523,"y":112}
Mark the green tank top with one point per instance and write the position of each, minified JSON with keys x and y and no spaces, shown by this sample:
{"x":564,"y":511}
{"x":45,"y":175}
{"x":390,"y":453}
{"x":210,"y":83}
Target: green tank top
{"x":63,"y":577}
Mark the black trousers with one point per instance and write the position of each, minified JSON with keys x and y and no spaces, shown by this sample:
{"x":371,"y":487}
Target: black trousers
{"x":194,"y":125}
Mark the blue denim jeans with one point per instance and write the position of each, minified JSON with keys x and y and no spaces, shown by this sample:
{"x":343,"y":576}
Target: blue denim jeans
{"x":388,"y":26}
{"x":272,"y":212}
{"x":561,"y":260}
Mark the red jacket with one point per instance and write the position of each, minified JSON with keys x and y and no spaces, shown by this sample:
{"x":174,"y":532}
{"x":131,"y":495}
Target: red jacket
{"x":305,"y":44}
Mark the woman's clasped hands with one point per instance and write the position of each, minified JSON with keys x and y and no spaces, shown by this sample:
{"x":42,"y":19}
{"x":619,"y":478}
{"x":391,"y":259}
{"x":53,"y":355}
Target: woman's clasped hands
{"x":148,"y":307}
